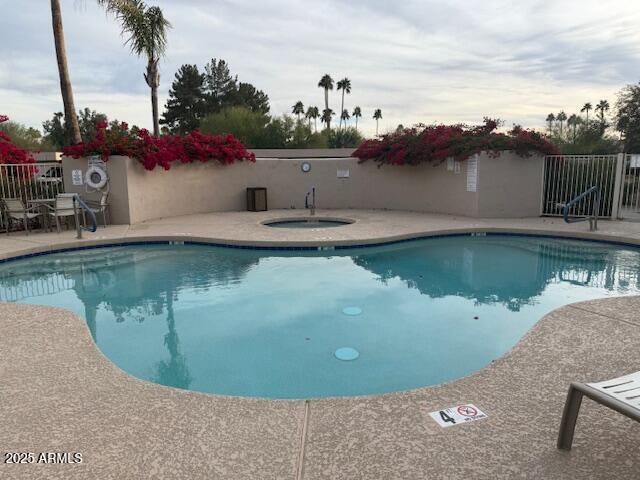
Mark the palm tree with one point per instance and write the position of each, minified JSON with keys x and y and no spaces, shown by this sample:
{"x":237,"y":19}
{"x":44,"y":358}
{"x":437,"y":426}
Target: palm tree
{"x":377,"y":115}
{"x":572,"y":122}
{"x":357,"y":113}
{"x":298,"y":109}
{"x":345,"y":86}
{"x":579,"y":122}
{"x":326,"y":82}
{"x":561,"y":117}
{"x":327,"y":113}
{"x":70,"y":118}
{"x":345,"y":116}
{"x":312,"y":113}
{"x":603,"y":106}
{"x":587,"y":106}
{"x":550,"y":119}
{"x":146,"y":29}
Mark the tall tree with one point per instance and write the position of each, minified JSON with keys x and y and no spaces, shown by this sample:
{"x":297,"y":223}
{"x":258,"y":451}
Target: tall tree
{"x":344,"y":116}
{"x":345,"y":86}
{"x":313,"y":113}
{"x":55,"y":131}
{"x":88,"y":120}
{"x":146,"y":31}
{"x":248,"y":96}
{"x":327,"y":113}
{"x":550,"y":119}
{"x":186,"y":104}
{"x":627,"y":117}
{"x":572,"y":123}
{"x":357,"y":113}
{"x":298,"y":109}
{"x":601,"y":108}
{"x":326,"y":83}
{"x":561,"y":117}
{"x":377,"y":115}
{"x":71,"y":121}
{"x":220,"y":85}
{"x":585,"y":108}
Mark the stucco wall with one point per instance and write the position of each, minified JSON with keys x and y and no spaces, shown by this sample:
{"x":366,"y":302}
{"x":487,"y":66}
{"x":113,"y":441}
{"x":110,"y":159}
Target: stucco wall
{"x":508,"y":186}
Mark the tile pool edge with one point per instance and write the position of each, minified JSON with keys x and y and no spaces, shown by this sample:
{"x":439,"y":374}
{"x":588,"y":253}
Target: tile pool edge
{"x":312,"y":245}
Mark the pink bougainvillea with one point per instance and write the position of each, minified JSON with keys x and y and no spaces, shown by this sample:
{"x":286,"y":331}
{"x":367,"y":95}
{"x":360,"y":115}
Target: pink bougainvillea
{"x":11,"y":153}
{"x":162,"y":151}
{"x":436,"y":143}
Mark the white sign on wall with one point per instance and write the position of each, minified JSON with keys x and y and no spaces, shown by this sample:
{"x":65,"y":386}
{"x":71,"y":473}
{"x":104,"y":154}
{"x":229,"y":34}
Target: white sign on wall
{"x":450,"y":164}
{"x":457,"y":415}
{"x":343,"y":173}
{"x":472,"y":174}
{"x":76,"y":177}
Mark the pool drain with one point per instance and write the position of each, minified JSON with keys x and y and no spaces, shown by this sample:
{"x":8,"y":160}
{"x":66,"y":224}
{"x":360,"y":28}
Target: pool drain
{"x":352,"y":311}
{"x":346,"y":354}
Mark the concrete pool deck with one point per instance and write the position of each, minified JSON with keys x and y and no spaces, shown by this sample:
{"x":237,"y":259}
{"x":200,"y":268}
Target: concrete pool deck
{"x":59,"y":393}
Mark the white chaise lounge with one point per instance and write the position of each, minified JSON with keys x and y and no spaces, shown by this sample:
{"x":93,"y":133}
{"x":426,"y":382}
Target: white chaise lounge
{"x":621,"y":394}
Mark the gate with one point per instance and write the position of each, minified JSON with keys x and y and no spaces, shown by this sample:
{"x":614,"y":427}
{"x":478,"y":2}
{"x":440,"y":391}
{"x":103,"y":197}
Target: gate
{"x":630,"y":189}
{"x":567,"y":176}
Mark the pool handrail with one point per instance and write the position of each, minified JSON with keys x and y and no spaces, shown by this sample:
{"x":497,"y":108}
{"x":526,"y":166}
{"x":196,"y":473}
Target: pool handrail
{"x":593,"y":218}
{"x":79,"y":228}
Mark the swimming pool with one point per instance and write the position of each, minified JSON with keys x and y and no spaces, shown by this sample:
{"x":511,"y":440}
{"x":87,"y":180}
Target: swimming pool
{"x":303,"y":324}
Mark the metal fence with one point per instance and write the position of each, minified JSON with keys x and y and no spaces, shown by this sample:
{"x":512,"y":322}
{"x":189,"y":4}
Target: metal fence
{"x":630,"y":191}
{"x":28,"y":182}
{"x":567,"y":176}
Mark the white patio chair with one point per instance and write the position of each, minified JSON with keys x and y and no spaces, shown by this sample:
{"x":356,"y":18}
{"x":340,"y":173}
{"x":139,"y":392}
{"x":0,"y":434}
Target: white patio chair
{"x":15,"y":209}
{"x":63,"y":208}
{"x":99,"y":207}
{"x":621,"y":394}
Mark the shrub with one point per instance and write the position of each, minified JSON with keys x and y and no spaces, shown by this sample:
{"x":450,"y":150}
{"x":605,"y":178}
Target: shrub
{"x":9,"y":152}
{"x":348,"y":137}
{"x":13,"y":178}
{"x":244,"y":124}
{"x":151,"y":151}
{"x":436,"y":143}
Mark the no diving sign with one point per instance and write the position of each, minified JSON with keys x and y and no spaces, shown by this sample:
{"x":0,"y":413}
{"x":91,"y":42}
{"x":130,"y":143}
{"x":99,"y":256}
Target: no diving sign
{"x":457,"y":415}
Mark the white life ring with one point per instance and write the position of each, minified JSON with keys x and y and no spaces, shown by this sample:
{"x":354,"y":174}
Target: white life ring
{"x":95,"y":177}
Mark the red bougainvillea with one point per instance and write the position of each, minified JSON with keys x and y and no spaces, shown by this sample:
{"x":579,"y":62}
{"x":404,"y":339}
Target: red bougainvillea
{"x":10,"y":153}
{"x":436,"y":143}
{"x":160,"y":151}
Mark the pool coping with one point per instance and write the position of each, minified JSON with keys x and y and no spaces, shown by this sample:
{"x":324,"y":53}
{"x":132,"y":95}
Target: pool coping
{"x":312,"y":245}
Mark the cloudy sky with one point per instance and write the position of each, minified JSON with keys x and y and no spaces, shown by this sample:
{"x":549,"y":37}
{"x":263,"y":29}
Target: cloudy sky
{"x":418,"y":60}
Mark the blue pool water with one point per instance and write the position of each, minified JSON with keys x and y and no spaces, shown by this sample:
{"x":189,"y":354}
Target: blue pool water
{"x":272,"y":323}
